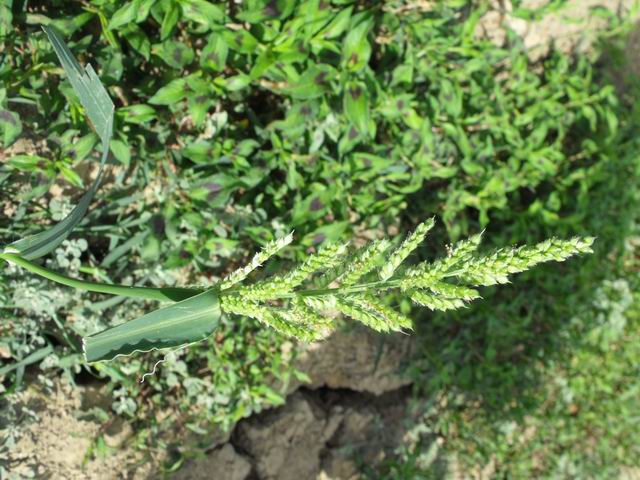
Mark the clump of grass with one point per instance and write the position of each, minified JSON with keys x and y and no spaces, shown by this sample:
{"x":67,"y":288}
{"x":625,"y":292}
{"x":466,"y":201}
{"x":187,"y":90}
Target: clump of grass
{"x":293,"y":303}
{"x":296,"y":303}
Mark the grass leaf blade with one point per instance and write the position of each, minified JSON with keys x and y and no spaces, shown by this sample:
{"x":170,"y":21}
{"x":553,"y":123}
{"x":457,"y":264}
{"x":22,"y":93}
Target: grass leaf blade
{"x":100,"y":110}
{"x":179,"y":324}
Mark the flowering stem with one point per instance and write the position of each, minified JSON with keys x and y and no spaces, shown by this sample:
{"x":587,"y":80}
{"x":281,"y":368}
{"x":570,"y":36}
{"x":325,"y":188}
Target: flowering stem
{"x":164,"y":294}
{"x":177,"y":294}
{"x":363,"y":287}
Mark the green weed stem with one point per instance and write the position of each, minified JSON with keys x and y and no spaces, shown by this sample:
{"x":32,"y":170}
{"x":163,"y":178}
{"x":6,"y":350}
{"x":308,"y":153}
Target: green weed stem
{"x":163,"y":294}
{"x":178,"y":294}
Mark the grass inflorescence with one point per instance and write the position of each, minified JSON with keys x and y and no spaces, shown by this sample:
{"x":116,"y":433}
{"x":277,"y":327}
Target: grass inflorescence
{"x":445,"y":284}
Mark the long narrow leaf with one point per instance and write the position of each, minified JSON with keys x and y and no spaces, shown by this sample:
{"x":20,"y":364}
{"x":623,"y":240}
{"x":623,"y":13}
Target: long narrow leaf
{"x":33,"y":358}
{"x":182,"y":323}
{"x":174,"y":294}
{"x":99,"y":107}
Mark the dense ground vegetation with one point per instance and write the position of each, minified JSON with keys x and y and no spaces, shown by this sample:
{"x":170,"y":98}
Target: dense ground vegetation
{"x":237,"y":123}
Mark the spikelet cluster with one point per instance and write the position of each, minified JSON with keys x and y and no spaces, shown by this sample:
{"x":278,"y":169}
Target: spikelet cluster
{"x":393,"y":320}
{"x":327,"y":258}
{"x":269,"y":250}
{"x":283,"y":321}
{"x":496,"y":268}
{"x":300,"y":303}
{"x":403,"y":251}
{"x":324,"y":259}
{"x":447,"y":290}
{"x":367,"y":259}
{"x":425,"y":274}
{"x":310,"y":315}
{"x":434,"y":302}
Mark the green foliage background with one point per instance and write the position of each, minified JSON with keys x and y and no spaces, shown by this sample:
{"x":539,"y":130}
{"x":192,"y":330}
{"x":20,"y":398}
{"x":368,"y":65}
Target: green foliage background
{"x":236,"y":123}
